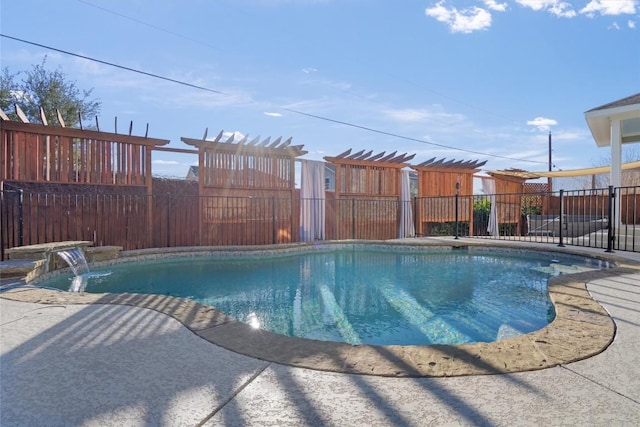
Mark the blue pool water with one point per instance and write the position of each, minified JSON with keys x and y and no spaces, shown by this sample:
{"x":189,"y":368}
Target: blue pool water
{"x":359,"y":296}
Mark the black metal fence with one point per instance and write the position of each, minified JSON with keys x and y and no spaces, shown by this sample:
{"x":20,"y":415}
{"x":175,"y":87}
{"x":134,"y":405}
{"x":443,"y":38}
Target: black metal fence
{"x":604,"y":218}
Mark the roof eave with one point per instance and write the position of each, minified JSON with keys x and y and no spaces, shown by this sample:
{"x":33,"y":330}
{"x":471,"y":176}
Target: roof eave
{"x":599,"y":121}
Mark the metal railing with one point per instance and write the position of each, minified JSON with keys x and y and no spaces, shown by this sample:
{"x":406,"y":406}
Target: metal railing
{"x":604,"y":218}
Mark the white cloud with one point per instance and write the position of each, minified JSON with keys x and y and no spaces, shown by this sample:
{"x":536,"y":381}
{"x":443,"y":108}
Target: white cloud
{"x":494,"y":5}
{"x":542,"y":123}
{"x":571,"y":135}
{"x":463,"y":21}
{"x":558,"y":8}
{"x":412,"y":115}
{"x":309,"y":70}
{"x":237,"y":136}
{"x":201,"y":99}
{"x":615,"y":26}
{"x":266,"y":113}
{"x":475,"y":18}
{"x":610,"y":7}
{"x":165,"y":162}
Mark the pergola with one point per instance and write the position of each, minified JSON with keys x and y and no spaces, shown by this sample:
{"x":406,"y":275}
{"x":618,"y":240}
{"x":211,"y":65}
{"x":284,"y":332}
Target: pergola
{"x":615,"y":124}
{"x":362,"y":178}
{"x":240,"y":181}
{"x":438,"y":181}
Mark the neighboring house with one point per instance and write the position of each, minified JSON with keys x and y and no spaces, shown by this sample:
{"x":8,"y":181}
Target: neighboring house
{"x":329,"y":177}
{"x":192,"y":174}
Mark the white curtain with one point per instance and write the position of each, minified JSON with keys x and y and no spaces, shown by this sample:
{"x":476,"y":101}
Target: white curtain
{"x":489,"y":188}
{"x":312,"y":201}
{"x":407,"y":228}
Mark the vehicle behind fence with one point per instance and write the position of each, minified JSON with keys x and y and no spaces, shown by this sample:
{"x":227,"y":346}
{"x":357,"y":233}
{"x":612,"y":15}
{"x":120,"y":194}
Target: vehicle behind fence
{"x":604,"y":218}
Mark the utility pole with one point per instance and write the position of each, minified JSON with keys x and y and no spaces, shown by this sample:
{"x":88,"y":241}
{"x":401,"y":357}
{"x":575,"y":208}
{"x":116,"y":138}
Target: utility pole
{"x":550,"y":163}
{"x":550,"y":180}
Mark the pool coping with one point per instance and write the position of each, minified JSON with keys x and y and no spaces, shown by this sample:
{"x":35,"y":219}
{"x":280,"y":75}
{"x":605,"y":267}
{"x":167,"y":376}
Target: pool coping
{"x":582,"y":327}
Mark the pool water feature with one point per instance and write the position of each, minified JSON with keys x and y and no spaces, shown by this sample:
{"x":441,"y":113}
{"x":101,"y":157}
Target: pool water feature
{"x":384,"y":296}
{"x":77,"y":262}
{"x":75,"y":259}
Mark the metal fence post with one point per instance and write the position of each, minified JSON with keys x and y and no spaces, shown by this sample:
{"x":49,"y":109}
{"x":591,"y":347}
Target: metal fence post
{"x":457,"y":201}
{"x":415,"y":216}
{"x":561,"y":244}
{"x":610,"y":222}
{"x":20,"y":218}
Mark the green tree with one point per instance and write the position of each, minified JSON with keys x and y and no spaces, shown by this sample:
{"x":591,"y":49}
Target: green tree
{"x":7,"y":89}
{"x":51,"y":90}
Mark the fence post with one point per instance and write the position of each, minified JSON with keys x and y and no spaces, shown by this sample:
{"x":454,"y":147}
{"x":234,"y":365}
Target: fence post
{"x":353,"y":218}
{"x":561,"y":244}
{"x":415,"y":216}
{"x":168,"y":220}
{"x":610,"y":222}
{"x":457,"y":200}
{"x":20,"y":218}
{"x":273,"y":219}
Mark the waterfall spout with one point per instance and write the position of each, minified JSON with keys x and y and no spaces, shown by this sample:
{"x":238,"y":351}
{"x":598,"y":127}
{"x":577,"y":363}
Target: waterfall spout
{"x":76,"y":260}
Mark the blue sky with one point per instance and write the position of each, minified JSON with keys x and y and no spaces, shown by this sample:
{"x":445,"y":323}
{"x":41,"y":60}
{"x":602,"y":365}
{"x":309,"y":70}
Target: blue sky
{"x":487,"y":76}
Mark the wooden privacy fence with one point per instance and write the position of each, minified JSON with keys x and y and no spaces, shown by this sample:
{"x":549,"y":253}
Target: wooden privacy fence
{"x":89,"y":168}
{"x":37,"y":153}
{"x":111,"y":216}
{"x":121,"y":219}
{"x":367,"y":189}
{"x":439,"y":181}
{"x":247,"y":189}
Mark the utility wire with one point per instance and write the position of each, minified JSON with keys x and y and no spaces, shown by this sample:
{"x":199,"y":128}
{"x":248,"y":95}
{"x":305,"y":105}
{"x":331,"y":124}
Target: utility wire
{"x":381,"y":132}
{"x":156,"y":27}
{"x":408,"y":138}
{"x":111,"y":64}
{"x":162,"y":29}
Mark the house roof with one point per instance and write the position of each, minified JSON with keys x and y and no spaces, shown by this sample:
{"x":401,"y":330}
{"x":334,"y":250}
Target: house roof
{"x":627,"y":110}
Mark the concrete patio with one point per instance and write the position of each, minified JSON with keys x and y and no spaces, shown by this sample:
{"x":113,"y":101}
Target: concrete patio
{"x":103,"y":364}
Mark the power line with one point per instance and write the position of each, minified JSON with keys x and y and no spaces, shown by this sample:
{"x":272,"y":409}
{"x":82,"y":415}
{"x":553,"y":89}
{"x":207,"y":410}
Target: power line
{"x":400,"y":78}
{"x":381,"y":132}
{"x":111,"y":64}
{"x":162,"y":29}
{"x":408,"y":138}
{"x":156,"y":27}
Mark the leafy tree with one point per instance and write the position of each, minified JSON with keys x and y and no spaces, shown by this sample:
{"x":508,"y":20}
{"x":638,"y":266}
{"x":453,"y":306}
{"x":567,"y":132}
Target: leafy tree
{"x":630,"y":153}
{"x":7,"y":89}
{"x":50,"y":90}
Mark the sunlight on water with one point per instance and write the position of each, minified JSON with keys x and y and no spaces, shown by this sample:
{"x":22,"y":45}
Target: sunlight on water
{"x":359,"y":296}
{"x":337,"y":317}
{"x":433,"y":327}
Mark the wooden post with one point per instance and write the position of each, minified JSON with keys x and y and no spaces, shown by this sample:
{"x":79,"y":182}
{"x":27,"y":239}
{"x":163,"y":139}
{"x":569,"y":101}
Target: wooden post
{"x":149,"y":179}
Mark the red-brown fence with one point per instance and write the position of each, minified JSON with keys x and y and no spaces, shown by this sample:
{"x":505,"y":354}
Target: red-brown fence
{"x":37,"y":153}
{"x":106,"y":215}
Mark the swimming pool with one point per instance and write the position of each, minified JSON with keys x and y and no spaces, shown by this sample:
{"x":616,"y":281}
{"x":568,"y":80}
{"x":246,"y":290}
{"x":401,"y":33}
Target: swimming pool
{"x":381,"y":295}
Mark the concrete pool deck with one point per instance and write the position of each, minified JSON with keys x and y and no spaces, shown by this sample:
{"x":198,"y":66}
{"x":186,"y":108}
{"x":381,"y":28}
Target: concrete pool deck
{"x":65,"y":363}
